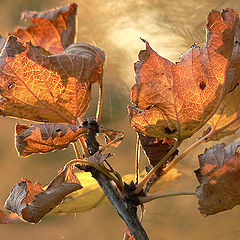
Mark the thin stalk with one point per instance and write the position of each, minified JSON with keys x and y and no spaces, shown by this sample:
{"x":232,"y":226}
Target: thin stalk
{"x":117,"y":139}
{"x":137,"y":159}
{"x":98,"y":167}
{"x":190,"y":149}
{"x":163,"y":160}
{"x":75,"y":147}
{"x":84,"y":148}
{"x":100,"y":102}
{"x":158,"y":196}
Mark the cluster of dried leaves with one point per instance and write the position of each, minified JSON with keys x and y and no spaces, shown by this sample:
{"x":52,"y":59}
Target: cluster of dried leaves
{"x":46,"y":77}
{"x":176,"y":100}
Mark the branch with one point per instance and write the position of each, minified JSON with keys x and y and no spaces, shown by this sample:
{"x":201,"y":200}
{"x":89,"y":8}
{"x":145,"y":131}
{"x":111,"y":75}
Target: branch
{"x":127,"y":213}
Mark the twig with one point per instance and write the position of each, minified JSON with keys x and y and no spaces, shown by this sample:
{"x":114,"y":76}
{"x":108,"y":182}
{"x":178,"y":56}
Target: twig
{"x":158,"y":196}
{"x":127,"y":213}
{"x":150,"y":174}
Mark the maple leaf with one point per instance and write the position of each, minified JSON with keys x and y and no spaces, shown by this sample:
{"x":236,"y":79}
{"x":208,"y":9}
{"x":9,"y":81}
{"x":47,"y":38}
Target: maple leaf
{"x":219,"y":177}
{"x":48,"y":88}
{"x":42,"y":138}
{"x":31,"y":202}
{"x":54,"y":30}
{"x":176,"y":100}
{"x":156,"y":148}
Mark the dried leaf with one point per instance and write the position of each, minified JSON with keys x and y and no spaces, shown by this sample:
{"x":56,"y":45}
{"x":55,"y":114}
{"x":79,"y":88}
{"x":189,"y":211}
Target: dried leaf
{"x":112,"y":136}
{"x":176,"y":100}
{"x":54,"y":30}
{"x":30,"y":202}
{"x":156,"y":148}
{"x":89,"y":197}
{"x":227,"y":112}
{"x":98,"y":158}
{"x":219,"y":177}
{"x":4,"y":218}
{"x":42,"y":138}
{"x":229,"y":109}
{"x":2,"y":41}
{"x":47,"y":88}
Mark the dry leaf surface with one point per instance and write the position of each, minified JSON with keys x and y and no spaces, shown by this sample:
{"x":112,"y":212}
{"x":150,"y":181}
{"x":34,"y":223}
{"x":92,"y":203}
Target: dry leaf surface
{"x":42,"y":138}
{"x":48,"y":88}
{"x":32,"y":203}
{"x":156,"y":148}
{"x":178,"y":99}
{"x":54,"y":30}
{"x":219,"y":177}
{"x":112,"y":136}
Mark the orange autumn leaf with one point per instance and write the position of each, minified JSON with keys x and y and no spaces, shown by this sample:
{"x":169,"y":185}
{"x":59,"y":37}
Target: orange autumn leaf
{"x":48,"y":88}
{"x":176,"y":100}
{"x":54,"y":30}
{"x":30,"y":202}
{"x":43,"y":138}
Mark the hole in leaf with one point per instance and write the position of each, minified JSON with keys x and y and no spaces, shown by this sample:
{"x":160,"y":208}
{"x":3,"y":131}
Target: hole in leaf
{"x":10,"y":86}
{"x":202,"y":85}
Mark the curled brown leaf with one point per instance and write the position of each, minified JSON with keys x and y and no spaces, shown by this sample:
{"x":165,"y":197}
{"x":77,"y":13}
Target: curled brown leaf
{"x":54,"y":30}
{"x":219,"y":177}
{"x":156,"y":148}
{"x":43,"y":138}
{"x":30,"y":202}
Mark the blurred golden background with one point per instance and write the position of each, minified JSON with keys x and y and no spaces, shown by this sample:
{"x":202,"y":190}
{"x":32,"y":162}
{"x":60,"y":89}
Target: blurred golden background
{"x":116,"y":27}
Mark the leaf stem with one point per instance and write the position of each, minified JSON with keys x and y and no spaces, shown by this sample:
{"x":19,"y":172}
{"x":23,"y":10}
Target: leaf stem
{"x":99,"y":105}
{"x":75,"y":147}
{"x":117,"y":139}
{"x":104,"y":170}
{"x":158,"y":196}
{"x":84,"y":148}
{"x":137,"y":159}
{"x":162,"y":161}
{"x":190,"y":149}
